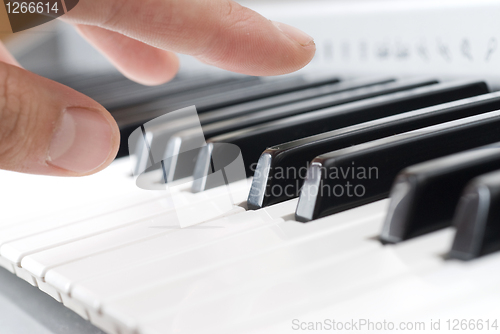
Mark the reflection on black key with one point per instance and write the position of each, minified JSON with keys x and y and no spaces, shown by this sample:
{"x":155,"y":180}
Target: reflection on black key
{"x":219,"y":97}
{"x":116,"y":98}
{"x":213,"y":97}
{"x":424,"y":196}
{"x":289,"y":98}
{"x":137,"y":115}
{"x":114,"y":91}
{"x":343,"y":98}
{"x":183,"y":137}
{"x":340,"y":93}
{"x":361,"y":174}
{"x":282,"y":169}
{"x":478,"y":219}
{"x":254,"y":140}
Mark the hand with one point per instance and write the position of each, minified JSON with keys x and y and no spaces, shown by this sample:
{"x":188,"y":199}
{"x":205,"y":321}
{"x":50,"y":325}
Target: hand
{"x":47,"y":128}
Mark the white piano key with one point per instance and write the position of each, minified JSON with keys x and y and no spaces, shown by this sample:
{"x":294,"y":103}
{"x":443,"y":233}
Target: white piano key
{"x":30,"y":228}
{"x":267,"y":245}
{"x":447,"y":291}
{"x":114,"y":203}
{"x":103,"y":322}
{"x":38,"y":263}
{"x":433,"y":294}
{"x":4,"y":263}
{"x":25,"y":275}
{"x":169,"y":243}
{"x":49,"y":196}
{"x":264,"y":302}
{"x":16,"y":250}
{"x":212,"y":285}
{"x":75,"y":306}
{"x":49,"y":289}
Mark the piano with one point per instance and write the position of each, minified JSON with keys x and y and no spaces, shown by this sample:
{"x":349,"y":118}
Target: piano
{"x":364,"y":197}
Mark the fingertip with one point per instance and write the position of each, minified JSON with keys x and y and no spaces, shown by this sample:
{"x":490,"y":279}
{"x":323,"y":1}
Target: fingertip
{"x":257,"y":46}
{"x":162,"y":70}
{"x":294,"y":34}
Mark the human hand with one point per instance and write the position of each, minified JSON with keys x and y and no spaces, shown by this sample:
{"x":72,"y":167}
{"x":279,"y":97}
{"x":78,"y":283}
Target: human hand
{"x":47,"y":128}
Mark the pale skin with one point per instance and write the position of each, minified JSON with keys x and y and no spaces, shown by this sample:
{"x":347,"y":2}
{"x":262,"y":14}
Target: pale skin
{"x":47,"y":128}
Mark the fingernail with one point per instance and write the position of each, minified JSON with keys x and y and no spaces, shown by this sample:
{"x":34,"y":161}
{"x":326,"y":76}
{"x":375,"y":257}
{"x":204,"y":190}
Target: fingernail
{"x":295,"y":34}
{"x":81,"y":142}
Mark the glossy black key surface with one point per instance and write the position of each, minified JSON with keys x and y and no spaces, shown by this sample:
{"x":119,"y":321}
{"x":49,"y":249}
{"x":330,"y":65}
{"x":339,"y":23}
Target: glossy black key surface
{"x":142,"y":113}
{"x":130,"y":118}
{"x":132,"y":94}
{"x":214,"y":97}
{"x":284,"y":166}
{"x":183,"y":134}
{"x":114,"y":91}
{"x":254,"y":140}
{"x":223,"y":96}
{"x":424,"y":197}
{"x":289,"y":98}
{"x":341,"y":93}
{"x":477,"y":220}
{"x":364,"y":173}
{"x":252,"y":107}
{"x":311,"y":105}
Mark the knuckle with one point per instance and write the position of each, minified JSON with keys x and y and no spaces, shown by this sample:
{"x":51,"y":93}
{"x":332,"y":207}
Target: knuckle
{"x":15,"y":117}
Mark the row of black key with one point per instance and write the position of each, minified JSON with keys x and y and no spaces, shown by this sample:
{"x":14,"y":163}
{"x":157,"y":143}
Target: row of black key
{"x":253,"y":141}
{"x":397,"y":134}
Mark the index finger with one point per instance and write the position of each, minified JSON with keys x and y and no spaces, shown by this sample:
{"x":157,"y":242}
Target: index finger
{"x":218,"y":32}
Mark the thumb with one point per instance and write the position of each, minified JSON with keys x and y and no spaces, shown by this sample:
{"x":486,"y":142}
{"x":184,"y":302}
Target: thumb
{"x":47,"y":128}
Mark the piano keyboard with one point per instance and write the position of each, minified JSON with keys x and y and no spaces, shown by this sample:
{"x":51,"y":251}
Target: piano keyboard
{"x":367,"y":199}
{"x":127,"y":267}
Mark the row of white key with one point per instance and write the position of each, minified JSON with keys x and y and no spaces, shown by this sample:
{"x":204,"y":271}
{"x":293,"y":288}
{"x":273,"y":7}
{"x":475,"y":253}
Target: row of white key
{"x":396,"y":295}
{"x":452,"y":290}
{"x":146,"y":276}
{"x":47,"y":233}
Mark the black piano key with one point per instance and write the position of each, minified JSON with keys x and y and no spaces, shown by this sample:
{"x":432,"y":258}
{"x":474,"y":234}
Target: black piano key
{"x":114,"y":90}
{"x":254,"y":140}
{"x":351,"y":94}
{"x":424,"y":196}
{"x":364,"y":173}
{"x":288,"y":98}
{"x":477,"y":220}
{"x":83,"y":82}
{"x":223,"y":97}
{"x":185,"y":135}
{"x":341,"y":93}
{"x":131,"y":94}
{"x":140,"y":114}
{"x":131,"y":118}
{"x":284,"y":166}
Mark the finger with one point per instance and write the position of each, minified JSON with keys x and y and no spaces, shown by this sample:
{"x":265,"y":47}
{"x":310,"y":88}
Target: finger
{"x":219,"y":32}
{"x":47,"y":128}
{"x":6,"y":57}
{"x":140,"y":62}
